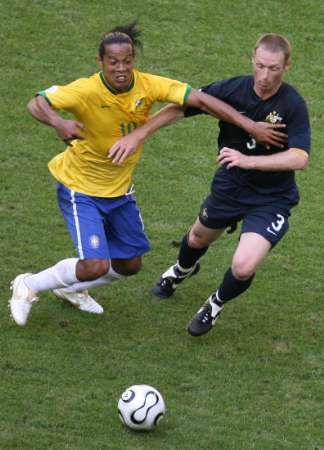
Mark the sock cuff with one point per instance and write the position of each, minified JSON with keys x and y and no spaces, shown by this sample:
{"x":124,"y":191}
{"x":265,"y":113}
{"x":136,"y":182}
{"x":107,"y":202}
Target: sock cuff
{"x":184,"y":269}
{"x":217,"y":297}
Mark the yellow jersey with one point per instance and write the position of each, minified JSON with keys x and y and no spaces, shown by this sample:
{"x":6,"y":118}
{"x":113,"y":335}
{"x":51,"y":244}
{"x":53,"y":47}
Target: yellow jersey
{"x":107,"y":116}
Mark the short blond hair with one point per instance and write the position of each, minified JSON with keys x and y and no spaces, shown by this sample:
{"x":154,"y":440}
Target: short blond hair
{"x":275,"y":43}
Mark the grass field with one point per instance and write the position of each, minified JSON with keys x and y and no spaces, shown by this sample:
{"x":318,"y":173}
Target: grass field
{"x":256,"y":381}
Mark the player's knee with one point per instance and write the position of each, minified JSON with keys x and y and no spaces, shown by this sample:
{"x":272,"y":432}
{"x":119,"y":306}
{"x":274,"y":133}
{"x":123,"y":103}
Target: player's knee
{"x":91,"y":269}
{"x":197,"y":240}
{"x":242,"y":269}
{"x":127,"y":267}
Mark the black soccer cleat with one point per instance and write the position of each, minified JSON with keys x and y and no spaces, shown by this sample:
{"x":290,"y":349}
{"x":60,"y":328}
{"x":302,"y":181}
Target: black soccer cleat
{"x":168,"y":282}
{"x":205,"y":318}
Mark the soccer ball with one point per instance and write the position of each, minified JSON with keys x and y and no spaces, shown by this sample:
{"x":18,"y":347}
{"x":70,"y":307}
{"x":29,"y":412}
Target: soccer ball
{"x":141,"y":407}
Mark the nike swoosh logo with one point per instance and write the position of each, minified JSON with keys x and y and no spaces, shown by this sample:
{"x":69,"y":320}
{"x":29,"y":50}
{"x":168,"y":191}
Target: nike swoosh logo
{"x":105,"y":106}
{"x":272,"y":232}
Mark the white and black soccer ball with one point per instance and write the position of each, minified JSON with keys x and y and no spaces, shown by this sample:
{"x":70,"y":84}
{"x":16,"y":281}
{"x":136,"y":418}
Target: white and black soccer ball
{"x":141,"y":407}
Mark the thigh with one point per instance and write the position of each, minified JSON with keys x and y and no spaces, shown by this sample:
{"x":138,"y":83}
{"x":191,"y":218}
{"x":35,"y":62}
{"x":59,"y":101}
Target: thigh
{"x":250,"y":252}
{"x":201,"y":236}
{"x":270,"y":221}
{"x":85,"y":223}
{"x":125,"y":231}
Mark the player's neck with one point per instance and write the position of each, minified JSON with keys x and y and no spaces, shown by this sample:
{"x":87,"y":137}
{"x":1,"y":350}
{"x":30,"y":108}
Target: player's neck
{"x":264,"y":94}
{"x":114,"y":89}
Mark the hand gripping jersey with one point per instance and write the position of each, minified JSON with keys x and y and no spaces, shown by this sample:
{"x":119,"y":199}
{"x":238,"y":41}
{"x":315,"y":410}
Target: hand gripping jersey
{"x":107,"y":116}
{"x":285,"y":106}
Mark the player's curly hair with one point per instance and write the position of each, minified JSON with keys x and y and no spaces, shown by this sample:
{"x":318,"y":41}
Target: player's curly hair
{"x":122,"y":34}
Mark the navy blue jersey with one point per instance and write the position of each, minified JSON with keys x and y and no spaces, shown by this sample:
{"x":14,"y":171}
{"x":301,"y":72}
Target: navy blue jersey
{"x":285,"y":106}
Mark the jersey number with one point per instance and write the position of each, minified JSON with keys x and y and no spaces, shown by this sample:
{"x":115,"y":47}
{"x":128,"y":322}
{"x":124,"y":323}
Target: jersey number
{"x":251,"y":144}
{"x":127,"y":128}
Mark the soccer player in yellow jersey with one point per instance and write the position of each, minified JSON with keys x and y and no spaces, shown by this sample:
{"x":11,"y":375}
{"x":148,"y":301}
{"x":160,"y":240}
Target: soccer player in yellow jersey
{"x":94,"y":194}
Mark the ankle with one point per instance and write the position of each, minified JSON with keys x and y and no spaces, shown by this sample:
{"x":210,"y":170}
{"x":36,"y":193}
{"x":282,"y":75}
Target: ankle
{"x":215,"y":299}
{"x":183,"y":270}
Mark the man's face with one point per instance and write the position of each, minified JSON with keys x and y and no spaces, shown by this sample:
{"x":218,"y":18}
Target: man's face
{"x":117,"y":65}
{"x":269,"y":68}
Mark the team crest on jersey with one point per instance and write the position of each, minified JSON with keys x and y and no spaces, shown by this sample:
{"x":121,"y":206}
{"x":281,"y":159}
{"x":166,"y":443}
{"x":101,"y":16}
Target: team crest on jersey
{"x":94,"y":241}
{"x":273,"y":118}
{"x":139,"y":102}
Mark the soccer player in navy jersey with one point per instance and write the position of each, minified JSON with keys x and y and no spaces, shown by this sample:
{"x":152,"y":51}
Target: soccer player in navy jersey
{"x":255,"y":184}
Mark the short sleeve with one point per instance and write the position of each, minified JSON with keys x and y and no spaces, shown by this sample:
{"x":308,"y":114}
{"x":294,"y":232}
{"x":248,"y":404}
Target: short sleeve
{"x":298,"y":127}
{"x":167,"y":90}
{"x":70,"y":97}
{"x":213,"y":89}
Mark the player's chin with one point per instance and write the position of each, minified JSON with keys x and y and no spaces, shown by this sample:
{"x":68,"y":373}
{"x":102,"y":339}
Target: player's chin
{"x":121,"y":85}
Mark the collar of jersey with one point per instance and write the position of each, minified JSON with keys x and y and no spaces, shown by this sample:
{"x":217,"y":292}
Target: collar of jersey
{"x":112,"y":89}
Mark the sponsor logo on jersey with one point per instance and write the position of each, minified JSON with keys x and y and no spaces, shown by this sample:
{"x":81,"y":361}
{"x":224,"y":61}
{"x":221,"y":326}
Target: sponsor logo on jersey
{"x":105,"y":106}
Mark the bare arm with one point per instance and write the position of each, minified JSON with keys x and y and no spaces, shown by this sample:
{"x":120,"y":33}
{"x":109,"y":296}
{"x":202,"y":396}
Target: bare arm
{"x":128,"y":144}
{"x":291,"y":159}
{"x":262,"y":131}
{"x":66,"y":130}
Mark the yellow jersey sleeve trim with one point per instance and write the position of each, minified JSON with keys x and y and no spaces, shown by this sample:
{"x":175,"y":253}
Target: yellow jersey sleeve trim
{"x":43,"y":94}
{"x":187,"y":93}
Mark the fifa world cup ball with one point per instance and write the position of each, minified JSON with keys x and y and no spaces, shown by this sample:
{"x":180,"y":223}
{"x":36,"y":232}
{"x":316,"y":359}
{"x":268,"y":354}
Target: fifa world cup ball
{"x":141,"y":407}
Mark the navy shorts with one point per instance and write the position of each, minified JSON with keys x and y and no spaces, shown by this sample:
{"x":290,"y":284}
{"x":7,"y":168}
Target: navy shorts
{"x":103,"y":228}
{"x":269,"y":220}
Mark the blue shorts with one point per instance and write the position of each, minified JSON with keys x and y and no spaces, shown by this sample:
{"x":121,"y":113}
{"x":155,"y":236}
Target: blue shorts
{"x":103,"y":228}
{"x":269,"y":220}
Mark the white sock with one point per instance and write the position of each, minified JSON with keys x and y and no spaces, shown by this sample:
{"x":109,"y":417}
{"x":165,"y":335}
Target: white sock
{"x":108,"y":278}
{"x":58,"y":276}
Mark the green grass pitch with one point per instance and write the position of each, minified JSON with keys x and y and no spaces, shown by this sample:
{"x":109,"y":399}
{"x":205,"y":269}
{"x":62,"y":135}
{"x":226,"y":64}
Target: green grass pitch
{"x":254,"y":382}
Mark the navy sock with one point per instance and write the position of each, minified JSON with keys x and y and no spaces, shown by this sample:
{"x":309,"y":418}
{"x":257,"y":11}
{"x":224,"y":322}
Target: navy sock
{"x":231,"y":287}
{"x":188,"y":256}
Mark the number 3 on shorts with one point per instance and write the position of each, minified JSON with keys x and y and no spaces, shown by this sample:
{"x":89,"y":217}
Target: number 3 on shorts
{"x":276,"y":225}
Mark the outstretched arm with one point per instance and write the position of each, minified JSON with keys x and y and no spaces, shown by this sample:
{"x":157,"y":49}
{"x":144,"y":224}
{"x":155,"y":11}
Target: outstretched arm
{"x":67,"y":130}
{"x":262,"y":131}
{"x":129,"y":143}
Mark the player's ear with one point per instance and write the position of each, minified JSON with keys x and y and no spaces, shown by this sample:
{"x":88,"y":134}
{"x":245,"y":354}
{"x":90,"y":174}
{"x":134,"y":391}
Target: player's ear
{"x":288,"y":64}
{"x":99,"y":60}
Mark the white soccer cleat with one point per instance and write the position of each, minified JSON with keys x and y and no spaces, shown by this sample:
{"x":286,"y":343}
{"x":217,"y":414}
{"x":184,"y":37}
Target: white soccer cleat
{"x":22,"y":299}
{"x":81,"y":300}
